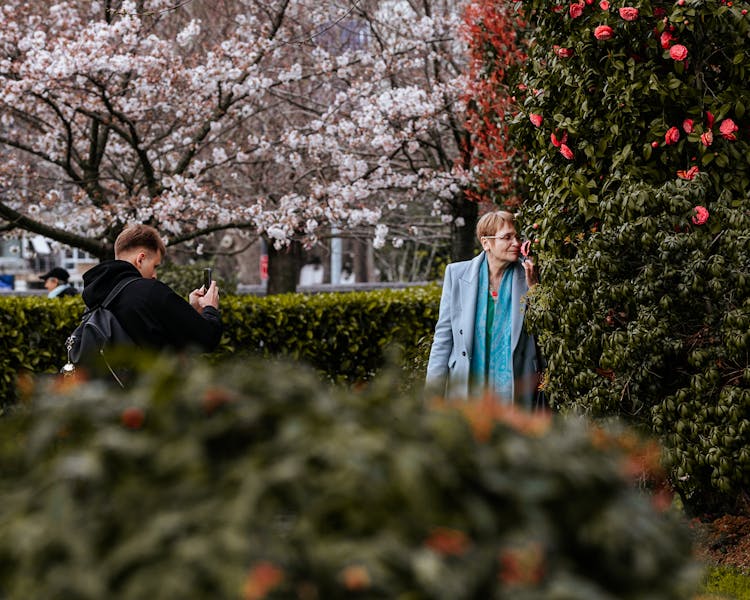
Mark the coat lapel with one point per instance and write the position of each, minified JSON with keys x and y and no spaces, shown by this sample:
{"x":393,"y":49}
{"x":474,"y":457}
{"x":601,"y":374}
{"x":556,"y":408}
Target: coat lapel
{"x":469,"y":281}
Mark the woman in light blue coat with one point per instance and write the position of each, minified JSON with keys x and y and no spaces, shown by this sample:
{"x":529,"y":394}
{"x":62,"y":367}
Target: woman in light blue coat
{"x":480,"y":343}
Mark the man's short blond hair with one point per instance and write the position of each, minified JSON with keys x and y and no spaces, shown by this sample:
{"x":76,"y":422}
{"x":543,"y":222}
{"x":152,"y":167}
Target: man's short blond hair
{"x":139,"y":236}
{"x":491,"y":222}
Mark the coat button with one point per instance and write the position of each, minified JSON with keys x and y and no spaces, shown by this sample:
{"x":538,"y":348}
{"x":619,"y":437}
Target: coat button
{"x":463,"y":353}
{"x":461,"y":331}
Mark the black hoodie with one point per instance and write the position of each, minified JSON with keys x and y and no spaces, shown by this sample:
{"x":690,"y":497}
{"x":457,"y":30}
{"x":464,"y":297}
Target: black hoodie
{"x":153,"y":315}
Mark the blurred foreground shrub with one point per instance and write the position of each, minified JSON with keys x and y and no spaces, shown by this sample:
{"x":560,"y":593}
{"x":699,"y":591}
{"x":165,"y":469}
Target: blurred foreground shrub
{"x":256,"y":480}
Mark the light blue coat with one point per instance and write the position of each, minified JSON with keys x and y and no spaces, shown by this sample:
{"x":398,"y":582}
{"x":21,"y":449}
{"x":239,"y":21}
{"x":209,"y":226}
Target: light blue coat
{"x":450,"y":355}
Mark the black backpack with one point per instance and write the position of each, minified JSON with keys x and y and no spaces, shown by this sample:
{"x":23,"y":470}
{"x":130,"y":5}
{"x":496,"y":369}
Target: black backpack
{"x":99,"y":330}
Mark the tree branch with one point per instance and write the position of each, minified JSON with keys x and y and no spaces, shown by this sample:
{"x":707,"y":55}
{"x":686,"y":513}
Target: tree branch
{"x":18,"y":221}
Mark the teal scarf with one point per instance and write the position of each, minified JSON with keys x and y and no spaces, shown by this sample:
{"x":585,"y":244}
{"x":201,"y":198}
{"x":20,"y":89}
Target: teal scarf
{"x":492,"y":358}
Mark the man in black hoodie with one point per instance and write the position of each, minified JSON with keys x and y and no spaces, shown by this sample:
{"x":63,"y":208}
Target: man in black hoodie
{"x":152,"y":314}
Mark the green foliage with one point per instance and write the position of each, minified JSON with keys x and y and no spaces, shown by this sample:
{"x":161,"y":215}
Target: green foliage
{"x":614,"y":99}
{"x":653,"y":323}
{"x":257,"y":480}
{"x":346,"y":337}
{"x":183,"y":279}
{"x":33,"y":331}
{"x":725,"y":580}
{"x":643,"y":313}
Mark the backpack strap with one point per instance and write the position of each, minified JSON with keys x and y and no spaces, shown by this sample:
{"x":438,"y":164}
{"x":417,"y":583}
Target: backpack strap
{"x":116,"y":290}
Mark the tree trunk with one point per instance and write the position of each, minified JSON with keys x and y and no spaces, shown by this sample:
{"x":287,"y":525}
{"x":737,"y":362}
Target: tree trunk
{"x":283,"y":268}
{"x":463,"y":239}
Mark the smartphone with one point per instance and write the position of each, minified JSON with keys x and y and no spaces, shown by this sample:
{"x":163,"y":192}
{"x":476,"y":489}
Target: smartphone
{"x":207,"y":278}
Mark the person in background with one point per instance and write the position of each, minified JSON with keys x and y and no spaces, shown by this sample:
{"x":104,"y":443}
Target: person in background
{"x":152,"y":314}
{"x":56,"y":283}
{"x":480,"y":344}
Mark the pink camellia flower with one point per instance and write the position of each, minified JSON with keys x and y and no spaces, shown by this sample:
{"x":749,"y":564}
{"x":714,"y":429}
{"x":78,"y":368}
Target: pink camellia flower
{"x":628,"y":13}
{"x":707,"y":138}
{"x":689,"y":174}
{"x":566,"y":152}
{"x":563,"y":52}
{"x":672,"y":136}
{"x":536,"y":119}
{"x":687,"y":126}
{"x":604,"y":5}
{"x":603,"y":32}
{"x":727,"y":129}
{"x":700,"y":216}
{"x":576,"y":10}
{"x":678,"y":52}
{"x":666,"y":39}
{"x":654,"y":144}
{"x":525,"y":248}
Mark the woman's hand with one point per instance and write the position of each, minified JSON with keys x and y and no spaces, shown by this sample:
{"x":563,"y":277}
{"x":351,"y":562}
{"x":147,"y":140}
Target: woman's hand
{"x":532,"y":277}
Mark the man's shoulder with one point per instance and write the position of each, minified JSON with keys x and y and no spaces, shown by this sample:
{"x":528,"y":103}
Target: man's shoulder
{"x":150,"y":291}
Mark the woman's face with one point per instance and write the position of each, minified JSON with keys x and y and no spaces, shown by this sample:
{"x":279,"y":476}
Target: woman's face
{"x":504,"y":246}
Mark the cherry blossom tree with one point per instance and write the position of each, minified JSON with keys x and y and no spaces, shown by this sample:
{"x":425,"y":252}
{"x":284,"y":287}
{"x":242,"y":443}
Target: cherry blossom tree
{"x":279,"y":119}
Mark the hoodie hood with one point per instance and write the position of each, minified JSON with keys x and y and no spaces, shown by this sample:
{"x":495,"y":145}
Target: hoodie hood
{"x":100,"y":280}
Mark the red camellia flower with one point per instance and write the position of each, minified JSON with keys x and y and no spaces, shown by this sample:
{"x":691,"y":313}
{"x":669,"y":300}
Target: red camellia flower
{"x":604,"y":5}
{"x":557,"y":141}
{"x":536,"y":119}
{"x":659,"y":12}
{"x":450,"y":542}
{"x":709,"y":119}
{"x":566,"y":152}
{"x":576,"y":10}
{"x":356,"y":578}
{"x":262,"y":578}
{"x":603,"y":32}
{"x":727,"y":129}
{"x":628,"y":13}
{"x":707,"y":138}
{"x":132,"y":418}
{"x":687,"y":126}
{"x":672,"y":136}
{"x":700,"y":216}
{"x":563,"y":52}
{"x":666,"y":40}
{"x":689,"y":174}
{"x":678,"y":52}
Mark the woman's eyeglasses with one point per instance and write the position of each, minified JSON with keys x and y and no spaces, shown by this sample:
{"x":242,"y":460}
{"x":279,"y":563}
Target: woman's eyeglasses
{"x":508,"y":237}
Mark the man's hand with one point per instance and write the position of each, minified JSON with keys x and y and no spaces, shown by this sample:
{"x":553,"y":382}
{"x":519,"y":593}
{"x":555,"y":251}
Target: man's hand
{"x":201,"y":298}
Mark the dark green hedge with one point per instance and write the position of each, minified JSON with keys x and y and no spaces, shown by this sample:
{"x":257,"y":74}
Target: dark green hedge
{"x":345,"y":336}
{"x":254,"y":479}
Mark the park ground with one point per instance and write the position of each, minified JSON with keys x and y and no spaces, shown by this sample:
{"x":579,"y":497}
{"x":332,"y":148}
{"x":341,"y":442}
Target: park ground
{"x":723,"y":541}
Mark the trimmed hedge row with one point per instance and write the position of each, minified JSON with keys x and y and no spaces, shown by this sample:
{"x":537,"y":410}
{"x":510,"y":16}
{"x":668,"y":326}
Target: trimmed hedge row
{"x":346,"y":336}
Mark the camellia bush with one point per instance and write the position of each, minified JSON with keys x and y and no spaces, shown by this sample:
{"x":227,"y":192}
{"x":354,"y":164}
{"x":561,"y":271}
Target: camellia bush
{"x":255,"y":480}
{"x":633,"y":122}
